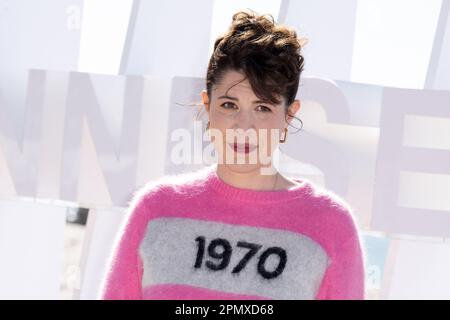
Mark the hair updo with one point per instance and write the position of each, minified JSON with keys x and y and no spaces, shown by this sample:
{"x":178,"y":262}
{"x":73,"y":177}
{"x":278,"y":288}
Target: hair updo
{"x":268,"y":54}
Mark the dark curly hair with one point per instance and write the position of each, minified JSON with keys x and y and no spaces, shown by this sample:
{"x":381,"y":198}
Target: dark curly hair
{"x":268,"y":54}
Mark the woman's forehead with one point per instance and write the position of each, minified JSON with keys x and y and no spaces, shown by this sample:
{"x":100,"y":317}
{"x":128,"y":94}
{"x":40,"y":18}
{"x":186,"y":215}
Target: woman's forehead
{"x":234,"y":83}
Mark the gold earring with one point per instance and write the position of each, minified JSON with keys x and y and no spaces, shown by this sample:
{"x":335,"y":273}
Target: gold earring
{"x":285,"y":136}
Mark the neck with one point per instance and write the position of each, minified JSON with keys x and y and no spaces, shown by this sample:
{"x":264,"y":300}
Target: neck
{"x":248,"y":178}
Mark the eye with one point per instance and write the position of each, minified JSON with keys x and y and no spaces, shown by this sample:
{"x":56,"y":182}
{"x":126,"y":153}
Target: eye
{"x":265,"y":109}
{"x":224,"y":105}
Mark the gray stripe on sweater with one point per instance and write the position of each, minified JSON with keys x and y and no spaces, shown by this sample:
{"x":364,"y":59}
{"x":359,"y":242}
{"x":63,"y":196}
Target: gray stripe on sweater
{"x":169,"y":251}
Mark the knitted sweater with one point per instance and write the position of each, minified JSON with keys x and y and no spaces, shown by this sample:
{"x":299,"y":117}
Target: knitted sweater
{"x":193,"y":236}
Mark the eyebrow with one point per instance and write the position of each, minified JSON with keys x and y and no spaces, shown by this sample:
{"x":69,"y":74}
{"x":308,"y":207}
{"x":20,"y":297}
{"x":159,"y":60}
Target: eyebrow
{"x":236,"y":99}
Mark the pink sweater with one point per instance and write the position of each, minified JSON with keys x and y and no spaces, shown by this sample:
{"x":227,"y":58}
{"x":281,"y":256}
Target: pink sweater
{"x":192,"y":236}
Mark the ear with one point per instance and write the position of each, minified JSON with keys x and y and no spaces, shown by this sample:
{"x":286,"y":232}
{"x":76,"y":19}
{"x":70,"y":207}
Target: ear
{"x":205,"y":100}
{"x":293,"y":109}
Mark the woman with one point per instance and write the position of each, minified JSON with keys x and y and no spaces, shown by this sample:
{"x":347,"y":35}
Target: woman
{"x":240,"y":229}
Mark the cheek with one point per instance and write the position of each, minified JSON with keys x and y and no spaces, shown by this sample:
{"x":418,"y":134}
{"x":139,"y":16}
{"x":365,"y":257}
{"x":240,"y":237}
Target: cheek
{"x":269,"y":132}
{"x":220,"y":118}
{"x":268,"y":139}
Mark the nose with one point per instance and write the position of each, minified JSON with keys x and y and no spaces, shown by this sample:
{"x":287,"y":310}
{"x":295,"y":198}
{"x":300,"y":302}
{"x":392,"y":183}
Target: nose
{"x":245,"y":128}
{"x":245,"y":121}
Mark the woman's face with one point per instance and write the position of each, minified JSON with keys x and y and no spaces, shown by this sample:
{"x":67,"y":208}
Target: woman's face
{"x":238,"y":119}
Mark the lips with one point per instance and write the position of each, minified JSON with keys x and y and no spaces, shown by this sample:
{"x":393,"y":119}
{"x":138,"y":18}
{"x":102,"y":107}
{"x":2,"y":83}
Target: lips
{"x":242,"y":147}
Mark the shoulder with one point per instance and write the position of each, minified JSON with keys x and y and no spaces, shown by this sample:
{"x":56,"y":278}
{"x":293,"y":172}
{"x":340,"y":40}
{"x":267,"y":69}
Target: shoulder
{"x":338,"y":228}
{"x":168,"y":186}
{"x":338,"y":216}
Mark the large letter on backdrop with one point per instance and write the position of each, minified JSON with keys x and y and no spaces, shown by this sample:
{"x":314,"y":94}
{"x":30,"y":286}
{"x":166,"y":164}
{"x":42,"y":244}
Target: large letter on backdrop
{"x":412,"y":181}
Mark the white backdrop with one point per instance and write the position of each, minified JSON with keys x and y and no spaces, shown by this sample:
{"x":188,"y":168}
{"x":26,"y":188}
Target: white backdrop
{"x":90,"y":139}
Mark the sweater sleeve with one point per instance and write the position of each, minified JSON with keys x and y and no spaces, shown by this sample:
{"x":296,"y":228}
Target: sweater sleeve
{"x":122,"y":280}
{"x":344,"y":278}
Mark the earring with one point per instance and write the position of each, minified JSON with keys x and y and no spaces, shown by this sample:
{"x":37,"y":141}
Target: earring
{"x":285,"y":136}
{"x":207,"y":126}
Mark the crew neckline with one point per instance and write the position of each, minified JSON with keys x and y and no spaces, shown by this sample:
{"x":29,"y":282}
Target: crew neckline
{"x":253,"y":195}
